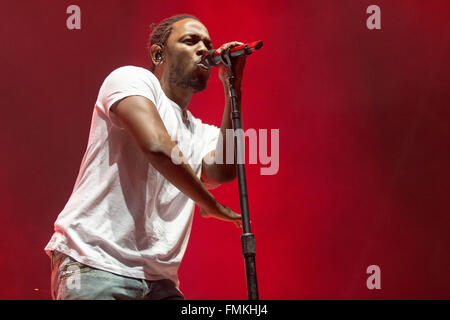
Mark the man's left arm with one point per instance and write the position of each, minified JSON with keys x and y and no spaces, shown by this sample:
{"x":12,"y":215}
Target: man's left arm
{"x":218,"y":172}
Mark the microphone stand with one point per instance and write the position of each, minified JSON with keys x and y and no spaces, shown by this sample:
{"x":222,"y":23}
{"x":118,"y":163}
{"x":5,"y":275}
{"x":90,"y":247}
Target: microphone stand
{"x":247,"y":238}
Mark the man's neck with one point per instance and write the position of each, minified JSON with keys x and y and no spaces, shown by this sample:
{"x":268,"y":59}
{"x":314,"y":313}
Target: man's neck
{"x":181,"y":97}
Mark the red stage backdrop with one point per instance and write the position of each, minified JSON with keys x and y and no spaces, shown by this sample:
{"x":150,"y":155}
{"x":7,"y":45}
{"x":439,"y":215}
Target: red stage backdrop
{"x":364,"y":149}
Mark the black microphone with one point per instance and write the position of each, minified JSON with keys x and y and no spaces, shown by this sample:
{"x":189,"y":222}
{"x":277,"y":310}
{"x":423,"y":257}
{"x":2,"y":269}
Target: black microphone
{"x":213,"y":59}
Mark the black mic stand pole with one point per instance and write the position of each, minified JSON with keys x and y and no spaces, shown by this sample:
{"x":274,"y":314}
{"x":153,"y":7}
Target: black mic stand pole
{"x":247,"y":238}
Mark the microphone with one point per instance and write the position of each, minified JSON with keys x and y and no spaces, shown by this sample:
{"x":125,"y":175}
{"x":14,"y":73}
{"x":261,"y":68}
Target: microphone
{"x":213,"y":59}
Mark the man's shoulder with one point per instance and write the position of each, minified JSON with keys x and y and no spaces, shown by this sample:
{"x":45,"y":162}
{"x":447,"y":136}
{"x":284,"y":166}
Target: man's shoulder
{"x":127,"y":81}
{"x":131,"y":78}
{"x":132,"y":71}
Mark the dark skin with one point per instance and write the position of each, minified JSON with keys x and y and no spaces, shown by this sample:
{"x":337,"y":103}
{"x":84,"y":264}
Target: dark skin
{"x":181,"y":76}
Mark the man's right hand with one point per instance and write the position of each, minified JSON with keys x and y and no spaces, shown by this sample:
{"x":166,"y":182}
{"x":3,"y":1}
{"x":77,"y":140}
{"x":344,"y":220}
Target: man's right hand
{"x":222,"y":213}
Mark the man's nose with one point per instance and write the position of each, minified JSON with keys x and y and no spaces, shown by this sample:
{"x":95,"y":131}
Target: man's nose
{"x":201,"y":49}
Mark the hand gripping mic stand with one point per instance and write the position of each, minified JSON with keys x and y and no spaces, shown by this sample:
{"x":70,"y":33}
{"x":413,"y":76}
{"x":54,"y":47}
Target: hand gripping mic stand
{"x":247,"y":238}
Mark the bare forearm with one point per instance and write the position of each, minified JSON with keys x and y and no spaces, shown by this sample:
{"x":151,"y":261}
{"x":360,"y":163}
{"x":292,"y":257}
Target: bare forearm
{"x":180,"y":175}
{"x":141,"y":119}
{"x":227,"y":170}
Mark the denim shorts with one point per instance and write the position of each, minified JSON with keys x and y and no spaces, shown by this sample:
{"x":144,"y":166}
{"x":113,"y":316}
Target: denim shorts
{"x":72,"y":280}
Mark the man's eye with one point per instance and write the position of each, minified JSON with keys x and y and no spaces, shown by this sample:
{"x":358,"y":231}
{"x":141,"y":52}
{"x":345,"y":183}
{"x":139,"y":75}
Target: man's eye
{"x":189,"y":41}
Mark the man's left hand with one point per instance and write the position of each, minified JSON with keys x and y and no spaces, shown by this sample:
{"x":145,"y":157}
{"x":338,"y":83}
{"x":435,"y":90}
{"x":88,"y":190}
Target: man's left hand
{"x":237,"y":64}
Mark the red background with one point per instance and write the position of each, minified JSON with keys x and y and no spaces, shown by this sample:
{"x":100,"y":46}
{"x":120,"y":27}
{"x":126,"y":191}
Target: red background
{"x":364,"y":141}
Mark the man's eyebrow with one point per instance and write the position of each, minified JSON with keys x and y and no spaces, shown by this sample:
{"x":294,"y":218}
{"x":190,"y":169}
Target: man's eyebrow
{"x":194,"y":35}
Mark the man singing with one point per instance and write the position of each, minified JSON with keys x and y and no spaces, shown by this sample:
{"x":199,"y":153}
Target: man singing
{"x":125,"y":227}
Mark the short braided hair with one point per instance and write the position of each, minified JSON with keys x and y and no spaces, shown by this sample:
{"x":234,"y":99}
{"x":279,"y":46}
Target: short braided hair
{"x":161,"y":32}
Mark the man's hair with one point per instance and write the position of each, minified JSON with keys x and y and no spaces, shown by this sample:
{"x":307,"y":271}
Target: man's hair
{"x":161,"y":32}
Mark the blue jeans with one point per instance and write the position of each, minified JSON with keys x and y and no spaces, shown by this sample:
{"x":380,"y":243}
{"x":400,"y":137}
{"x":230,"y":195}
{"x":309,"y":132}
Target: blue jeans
{"x":72,"y":280}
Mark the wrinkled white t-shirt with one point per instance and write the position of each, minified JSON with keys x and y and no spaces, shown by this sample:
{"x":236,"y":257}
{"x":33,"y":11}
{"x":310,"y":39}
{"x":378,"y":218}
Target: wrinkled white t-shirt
{"x":123,"y":216}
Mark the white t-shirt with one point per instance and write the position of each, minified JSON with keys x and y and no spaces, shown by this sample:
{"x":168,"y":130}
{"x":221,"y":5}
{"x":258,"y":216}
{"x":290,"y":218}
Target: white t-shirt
{"x":123,"y":216}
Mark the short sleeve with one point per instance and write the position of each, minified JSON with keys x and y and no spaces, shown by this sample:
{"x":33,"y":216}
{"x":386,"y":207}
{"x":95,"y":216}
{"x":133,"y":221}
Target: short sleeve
{"x":124,"y":82}
{"x":210,"y":136}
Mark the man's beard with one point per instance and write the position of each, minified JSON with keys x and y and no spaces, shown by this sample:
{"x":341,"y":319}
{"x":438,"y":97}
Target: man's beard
{"x":197,"y":81}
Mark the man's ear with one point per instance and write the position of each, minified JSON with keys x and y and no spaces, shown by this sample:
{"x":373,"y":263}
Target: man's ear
{"x":156,"y":53}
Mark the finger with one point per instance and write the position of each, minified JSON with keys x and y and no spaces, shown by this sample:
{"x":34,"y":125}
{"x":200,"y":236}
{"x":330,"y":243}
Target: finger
{"x":233,"y":44}
{"x":238,"y":223}
{"x":203,"y":213}
{"x":229,"y":45}
{"x":236,"y":215}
